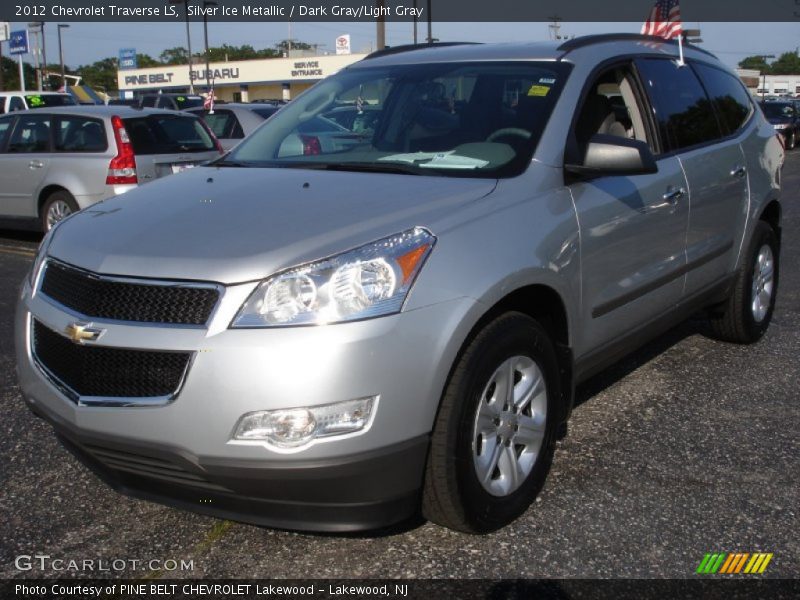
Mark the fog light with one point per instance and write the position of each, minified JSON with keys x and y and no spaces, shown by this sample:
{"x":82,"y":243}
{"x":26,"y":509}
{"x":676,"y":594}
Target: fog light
{"x":293,"y":427}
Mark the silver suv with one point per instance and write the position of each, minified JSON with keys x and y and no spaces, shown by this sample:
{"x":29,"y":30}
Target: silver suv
{"x":322,"y":336}
{"x":55,"y":161}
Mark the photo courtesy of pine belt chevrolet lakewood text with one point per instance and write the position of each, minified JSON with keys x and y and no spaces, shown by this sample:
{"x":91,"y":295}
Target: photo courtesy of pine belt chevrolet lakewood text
{"x":339,"y":328}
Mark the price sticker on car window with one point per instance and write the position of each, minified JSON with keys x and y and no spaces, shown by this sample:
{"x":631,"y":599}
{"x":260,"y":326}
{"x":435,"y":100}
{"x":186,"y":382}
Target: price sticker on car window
{"x":35,"y":101}
{"x":538,"y":90}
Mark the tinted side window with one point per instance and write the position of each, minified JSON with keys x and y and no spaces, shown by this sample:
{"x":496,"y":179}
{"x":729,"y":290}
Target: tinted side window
{"x":16,"y":103}
{"x":31,"y":134}
{"x":149,"y":101}
{"x":683,"y":113}
{"x":164,"y":102}
{"x":5,"y":128}
{"x":729,"y":96}
{"x":80,"y":134}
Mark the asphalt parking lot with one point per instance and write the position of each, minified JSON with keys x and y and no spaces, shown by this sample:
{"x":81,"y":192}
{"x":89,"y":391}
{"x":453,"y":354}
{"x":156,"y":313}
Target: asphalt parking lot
{"x":688,"y":446}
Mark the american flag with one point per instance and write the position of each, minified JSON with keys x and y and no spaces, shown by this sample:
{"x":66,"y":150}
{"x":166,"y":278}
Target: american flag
{"x":664,"y":20}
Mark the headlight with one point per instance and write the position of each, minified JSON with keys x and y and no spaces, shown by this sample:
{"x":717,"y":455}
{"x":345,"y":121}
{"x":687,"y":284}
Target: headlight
{"x":41,"y":254}
{"x":370,"y":281}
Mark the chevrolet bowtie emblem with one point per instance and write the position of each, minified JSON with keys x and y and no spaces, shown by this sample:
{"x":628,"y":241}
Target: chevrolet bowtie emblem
{"x":82,"y":332}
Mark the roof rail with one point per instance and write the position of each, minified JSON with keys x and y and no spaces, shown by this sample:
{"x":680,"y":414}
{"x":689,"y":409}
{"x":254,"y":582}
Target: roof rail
{"x":408,"y":47}
{"x":588,"y":40}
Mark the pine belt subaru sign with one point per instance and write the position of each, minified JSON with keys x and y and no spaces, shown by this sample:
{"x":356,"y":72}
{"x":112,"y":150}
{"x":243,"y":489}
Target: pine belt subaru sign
{"x":18,"y":43}
{"x":127,"y":58}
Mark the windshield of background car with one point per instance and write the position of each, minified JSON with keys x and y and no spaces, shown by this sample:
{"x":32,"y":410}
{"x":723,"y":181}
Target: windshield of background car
{"x":455,"y":119}
{"x":168,"y":134}
{"x":48,"y":100}
{"x":778,"y":110}
{"x":184,"y":102}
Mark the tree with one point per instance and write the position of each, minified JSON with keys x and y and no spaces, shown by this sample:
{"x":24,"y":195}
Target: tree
{"x":788,"y":63}
{"x":145,"y":60}
{"x":174,"y":56}
{"x":757,"y":63}
{"x":11,"y":74}
{"x":101,"y":75}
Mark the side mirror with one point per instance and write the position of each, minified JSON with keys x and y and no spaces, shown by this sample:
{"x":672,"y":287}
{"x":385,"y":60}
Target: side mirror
{"x":613,"y":155}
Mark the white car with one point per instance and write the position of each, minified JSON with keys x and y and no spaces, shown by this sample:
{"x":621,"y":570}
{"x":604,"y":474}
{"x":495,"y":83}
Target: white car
{"x":13,"y":101}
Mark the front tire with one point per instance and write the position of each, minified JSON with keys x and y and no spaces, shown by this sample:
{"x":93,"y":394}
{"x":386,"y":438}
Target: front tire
{"x":494,"y":436}
{"x":744,"y":317}
{"x":58,"y":205}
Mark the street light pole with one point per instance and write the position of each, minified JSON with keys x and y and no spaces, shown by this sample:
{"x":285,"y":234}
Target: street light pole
{"x":61,"y":56}
{"x":206,"y":4}
{"x":188,"y":40}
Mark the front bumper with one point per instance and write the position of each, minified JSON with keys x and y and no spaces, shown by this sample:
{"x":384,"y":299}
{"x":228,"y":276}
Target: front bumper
{"x":181,"y":453}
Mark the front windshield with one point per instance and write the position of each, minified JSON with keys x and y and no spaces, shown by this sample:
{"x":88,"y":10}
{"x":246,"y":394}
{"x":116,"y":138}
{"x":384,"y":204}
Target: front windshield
{"x":185,"y":102}
{"x":455,"y":119}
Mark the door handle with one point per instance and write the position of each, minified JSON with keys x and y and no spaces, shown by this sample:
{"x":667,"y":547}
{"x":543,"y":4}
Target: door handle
{"x":738,"y":172}
{"x":673,"y":194}
{"x":35,"y":164}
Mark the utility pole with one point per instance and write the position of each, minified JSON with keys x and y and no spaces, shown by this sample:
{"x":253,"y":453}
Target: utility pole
{"x":764,"y":74}
{"x":430,"y":24}
{"x":415,"y":21}
{"x":381,"y":24}
{"x":206,"y":4}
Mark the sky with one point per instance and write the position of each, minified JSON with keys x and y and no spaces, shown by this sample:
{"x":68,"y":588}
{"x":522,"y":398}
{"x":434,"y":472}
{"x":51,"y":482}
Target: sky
{"x":85,"y":43}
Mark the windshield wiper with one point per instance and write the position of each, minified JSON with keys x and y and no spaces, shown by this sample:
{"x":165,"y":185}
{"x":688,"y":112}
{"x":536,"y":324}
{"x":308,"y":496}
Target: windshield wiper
{"x":229,"y":162}
{"x":366,"y":167}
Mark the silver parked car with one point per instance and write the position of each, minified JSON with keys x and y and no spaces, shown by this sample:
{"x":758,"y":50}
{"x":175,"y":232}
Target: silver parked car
{"x":232,"y":122}
{"x":328,"y":340}
{"x":55,"y":161}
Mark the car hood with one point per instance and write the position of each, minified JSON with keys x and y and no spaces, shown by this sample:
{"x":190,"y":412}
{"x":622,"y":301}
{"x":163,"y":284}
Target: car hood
{"x":232,"y":225}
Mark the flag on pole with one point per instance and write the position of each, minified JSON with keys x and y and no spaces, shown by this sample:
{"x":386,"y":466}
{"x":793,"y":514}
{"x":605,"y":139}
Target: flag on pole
{"x":208,"y":103}
{"x":664,"y":20}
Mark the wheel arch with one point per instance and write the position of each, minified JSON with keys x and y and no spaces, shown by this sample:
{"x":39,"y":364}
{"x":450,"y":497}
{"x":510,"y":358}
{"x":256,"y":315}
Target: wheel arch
{"x":546,"y":306}
{"x":46,"y":192}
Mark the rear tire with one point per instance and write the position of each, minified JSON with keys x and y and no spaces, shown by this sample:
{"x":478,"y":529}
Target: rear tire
{"x":58,"y":205}
{"x":493,"y":443}
{"x":744,"y":317}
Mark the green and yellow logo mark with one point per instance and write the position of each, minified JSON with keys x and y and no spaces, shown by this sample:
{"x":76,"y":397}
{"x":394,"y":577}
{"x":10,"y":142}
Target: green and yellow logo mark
{"x":734,"y":562}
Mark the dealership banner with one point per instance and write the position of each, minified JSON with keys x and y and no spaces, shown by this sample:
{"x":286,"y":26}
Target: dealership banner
{"x":400,"y":589}
{"x":392,"y":10}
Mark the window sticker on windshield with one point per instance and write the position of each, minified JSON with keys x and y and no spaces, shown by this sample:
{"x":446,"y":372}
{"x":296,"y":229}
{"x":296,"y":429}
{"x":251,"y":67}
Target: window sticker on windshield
{"x":35,"y":101}
{"x":547,"y":80}
{"x":181,"y":98}
{"x":538,"y":90}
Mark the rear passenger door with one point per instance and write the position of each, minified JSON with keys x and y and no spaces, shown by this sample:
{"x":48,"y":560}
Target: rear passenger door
{"x":24,"y":164}
{"x":691,"y":128}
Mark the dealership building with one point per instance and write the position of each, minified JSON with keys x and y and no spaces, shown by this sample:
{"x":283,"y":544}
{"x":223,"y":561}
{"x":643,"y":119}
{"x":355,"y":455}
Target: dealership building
{"x":237,"y":81}
{"x":770,"y":85}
